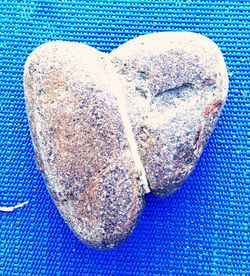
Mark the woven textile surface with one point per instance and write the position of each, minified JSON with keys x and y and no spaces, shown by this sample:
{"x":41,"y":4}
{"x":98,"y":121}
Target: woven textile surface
{"x":200,"y":230}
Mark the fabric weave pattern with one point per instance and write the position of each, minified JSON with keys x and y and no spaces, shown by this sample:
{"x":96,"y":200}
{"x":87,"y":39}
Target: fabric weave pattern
{"x":200,"y":230}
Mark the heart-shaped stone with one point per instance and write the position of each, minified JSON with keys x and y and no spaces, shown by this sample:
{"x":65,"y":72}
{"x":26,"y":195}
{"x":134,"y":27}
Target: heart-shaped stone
{"x":108,"y":128}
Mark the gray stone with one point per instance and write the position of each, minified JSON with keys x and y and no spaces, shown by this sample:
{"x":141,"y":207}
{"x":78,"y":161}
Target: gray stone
{"x":175,"y":85}
{"x":108,"y":128}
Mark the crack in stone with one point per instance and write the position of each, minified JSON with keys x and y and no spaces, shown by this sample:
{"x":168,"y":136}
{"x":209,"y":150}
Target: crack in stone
{"x":128,"y":128}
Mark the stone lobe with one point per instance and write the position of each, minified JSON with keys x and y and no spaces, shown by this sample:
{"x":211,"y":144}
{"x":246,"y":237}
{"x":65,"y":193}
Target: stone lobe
{"x":107,"y":128}
{"x":80,"y":142}
{"x":170,"y":81}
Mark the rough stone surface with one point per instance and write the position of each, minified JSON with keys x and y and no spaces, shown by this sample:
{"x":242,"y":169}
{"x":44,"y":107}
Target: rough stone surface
{"x":80,"y":144}
{"x":175,"y":85}
{"x":108,"y":128}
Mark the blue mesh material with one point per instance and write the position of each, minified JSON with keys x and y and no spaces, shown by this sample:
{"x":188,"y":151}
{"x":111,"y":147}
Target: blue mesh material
{"x":200,"y":230}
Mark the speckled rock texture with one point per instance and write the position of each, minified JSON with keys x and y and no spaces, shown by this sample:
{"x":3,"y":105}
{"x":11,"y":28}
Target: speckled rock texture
{"x":108,"y":128}
{"x":175,"y":85}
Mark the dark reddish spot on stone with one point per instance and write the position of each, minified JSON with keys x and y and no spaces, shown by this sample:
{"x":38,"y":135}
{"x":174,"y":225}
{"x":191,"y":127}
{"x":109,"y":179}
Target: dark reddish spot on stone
{"x":215,"y":107}
{"x":198,"y":144}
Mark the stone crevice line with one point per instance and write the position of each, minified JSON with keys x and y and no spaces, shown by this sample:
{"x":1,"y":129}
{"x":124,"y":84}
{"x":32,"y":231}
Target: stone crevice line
{"x":128,"y":126}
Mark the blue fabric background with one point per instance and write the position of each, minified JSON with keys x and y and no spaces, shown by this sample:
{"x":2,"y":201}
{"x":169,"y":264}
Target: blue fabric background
{"x":200,"y":230}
